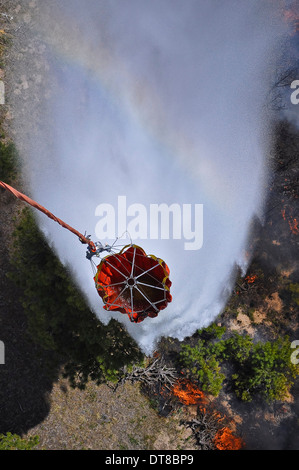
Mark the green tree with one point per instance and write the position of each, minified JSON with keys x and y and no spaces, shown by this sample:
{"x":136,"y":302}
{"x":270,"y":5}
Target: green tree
{"x":236,"y":348}
{"x":212,"y":332}
{"x":203,"y":366}
{"x":268,"y":372}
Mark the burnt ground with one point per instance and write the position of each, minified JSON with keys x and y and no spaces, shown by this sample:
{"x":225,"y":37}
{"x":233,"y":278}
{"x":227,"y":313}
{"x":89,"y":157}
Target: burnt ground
{"x":36,"y":400}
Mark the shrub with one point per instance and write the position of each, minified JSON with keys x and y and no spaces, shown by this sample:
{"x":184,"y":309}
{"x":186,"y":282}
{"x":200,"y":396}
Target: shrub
{"x":202,"y":366}
{"x":294,"y":288}
{"x":8,"y":162}
{"x":268,"y":372}
{"x":14,"y":442}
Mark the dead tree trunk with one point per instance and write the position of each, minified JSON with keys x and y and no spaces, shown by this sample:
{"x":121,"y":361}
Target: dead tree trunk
{"x":205,"y":427}
{"x":155,"y":374}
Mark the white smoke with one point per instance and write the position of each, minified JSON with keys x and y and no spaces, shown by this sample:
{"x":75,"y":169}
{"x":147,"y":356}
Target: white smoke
{"x":161,"y":101}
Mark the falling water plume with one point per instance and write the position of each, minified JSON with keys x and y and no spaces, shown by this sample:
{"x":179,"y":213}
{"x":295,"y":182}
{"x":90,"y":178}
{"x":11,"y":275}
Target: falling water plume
{"x":159,"y":102}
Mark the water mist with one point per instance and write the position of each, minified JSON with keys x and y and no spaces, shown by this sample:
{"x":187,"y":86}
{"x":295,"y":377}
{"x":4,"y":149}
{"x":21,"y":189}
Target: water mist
{"x":160,"y":102}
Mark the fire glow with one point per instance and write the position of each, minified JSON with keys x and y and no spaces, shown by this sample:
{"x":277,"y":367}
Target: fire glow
{"x":293,"y":222}
{"x":225,"y":440}
{"x":251,"y":279}
{"x":188,"y":394}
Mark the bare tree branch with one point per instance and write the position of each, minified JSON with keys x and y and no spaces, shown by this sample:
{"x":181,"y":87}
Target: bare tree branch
{"x":156,"y":373}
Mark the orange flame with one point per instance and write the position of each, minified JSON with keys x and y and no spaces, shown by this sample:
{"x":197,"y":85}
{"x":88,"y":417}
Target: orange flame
{"x":293,"y":222}
{"x":226,"y":440}
{"x":188,"y":393}
{"x":251,"y":279}
{"x":283,"y":212}
{"x":294,"y":226}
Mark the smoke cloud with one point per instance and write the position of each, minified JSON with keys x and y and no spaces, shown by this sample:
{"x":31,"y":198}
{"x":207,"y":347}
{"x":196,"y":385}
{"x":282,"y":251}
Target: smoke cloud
{"x":161,"y":102}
